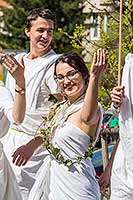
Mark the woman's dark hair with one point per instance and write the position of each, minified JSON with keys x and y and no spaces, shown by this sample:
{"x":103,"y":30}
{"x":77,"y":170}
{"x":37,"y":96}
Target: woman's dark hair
{"x":75,"y":61}
{"x":39,"y":12}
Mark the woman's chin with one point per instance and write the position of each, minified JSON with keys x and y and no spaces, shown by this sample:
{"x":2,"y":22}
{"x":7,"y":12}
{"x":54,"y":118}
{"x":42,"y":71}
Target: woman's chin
{"x":69,"y":93}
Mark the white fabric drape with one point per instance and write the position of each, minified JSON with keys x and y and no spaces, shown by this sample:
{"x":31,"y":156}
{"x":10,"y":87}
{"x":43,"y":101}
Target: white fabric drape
{"x":58,"y":182}
{"x":8,"y":185}
{"x":39,"y":84}
{"x":6,"y":105}
{"x":122,"y":172}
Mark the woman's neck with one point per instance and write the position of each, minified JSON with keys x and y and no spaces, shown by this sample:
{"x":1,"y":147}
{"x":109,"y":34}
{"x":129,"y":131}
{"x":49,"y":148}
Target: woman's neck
{"x":76,"y":98}
{"x":73,"y":98}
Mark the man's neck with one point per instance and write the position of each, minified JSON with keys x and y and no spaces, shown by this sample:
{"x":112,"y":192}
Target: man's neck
{"x":36,"y":54}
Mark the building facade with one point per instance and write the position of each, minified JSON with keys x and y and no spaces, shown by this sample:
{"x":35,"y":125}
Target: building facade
{"x":97,"y":11}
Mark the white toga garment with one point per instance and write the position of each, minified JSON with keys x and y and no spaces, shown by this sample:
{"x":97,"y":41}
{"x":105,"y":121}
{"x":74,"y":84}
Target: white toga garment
{"x":8,"y":186}
{"x":122,"y":171}
{"x":39,"y":84}
{"x":55,"y":181}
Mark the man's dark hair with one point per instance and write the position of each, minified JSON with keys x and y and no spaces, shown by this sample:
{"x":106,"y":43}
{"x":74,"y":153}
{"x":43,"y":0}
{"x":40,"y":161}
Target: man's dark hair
{"x":39,"y":12}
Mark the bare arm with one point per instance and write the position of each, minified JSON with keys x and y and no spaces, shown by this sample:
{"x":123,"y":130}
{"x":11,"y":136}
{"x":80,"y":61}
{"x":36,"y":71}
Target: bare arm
{"x":90,"y":108}
{"x":117,"y":95}
{"x":19,"y":106}
{"x":25,"y":152}
{"x":17,"y":71}
{"x":104,"y":180}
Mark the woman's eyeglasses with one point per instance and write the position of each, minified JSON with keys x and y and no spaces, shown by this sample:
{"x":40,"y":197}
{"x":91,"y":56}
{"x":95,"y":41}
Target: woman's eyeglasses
{"x":69,"y":75}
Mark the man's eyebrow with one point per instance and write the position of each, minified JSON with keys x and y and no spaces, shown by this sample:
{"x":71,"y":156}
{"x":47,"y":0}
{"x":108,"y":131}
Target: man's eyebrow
{"x":45,"y":28}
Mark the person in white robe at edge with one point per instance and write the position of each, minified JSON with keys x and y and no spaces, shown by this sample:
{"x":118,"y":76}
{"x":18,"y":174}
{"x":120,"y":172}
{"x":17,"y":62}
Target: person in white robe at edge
{"x":119,"y":170}
{"x":39,"y":83}
{"x":11,"y":111}
{"x":73,"y":124}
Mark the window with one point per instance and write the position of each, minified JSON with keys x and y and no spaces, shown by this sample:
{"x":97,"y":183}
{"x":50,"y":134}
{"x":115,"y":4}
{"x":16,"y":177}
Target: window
{"x":97,"y":21}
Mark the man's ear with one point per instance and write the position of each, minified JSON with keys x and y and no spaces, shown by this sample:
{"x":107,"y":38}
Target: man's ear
{"x":27,"y":32}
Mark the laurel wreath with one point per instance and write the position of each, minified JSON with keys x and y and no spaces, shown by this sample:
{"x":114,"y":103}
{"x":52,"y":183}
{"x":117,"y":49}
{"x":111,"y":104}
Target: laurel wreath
{"x":47,"y":130}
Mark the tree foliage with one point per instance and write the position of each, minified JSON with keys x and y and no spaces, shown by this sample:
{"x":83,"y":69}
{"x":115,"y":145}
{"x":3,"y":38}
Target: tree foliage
{"x":110,"y":42}
{"x":72,"y":32}
{"x":68,"y":14}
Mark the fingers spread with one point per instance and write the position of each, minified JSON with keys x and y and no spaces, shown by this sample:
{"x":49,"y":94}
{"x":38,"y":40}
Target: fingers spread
{"x":10,"y":63}
{"x":100,"y":58}
{"x":19,"y":159}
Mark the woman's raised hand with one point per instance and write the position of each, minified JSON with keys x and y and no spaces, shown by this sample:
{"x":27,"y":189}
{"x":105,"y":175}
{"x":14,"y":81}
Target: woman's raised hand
{"x":99,"y":63}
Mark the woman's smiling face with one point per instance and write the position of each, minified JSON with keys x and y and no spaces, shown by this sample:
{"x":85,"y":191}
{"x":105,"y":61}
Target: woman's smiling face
{"x":70,"y":81}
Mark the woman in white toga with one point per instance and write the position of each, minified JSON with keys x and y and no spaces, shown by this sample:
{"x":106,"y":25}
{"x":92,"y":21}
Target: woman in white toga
{"x":67,"y":172}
